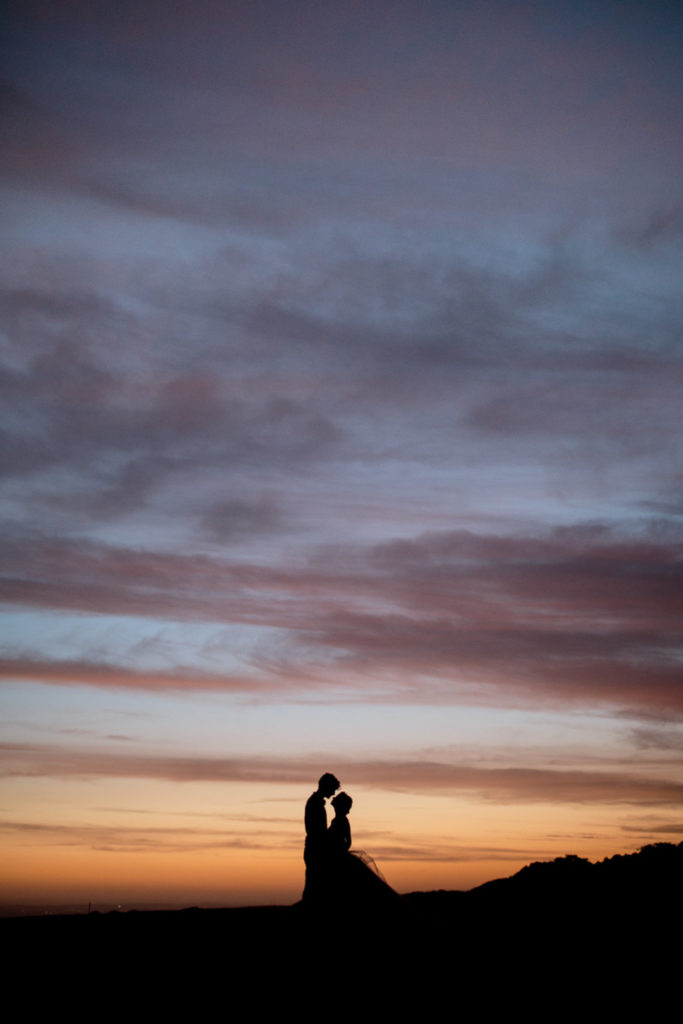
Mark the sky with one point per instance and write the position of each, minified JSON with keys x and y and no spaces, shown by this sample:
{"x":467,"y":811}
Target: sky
{"x":341,"y":421}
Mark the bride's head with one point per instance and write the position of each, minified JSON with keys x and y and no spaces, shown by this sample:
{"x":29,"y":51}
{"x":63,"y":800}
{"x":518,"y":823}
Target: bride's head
{"x":342,"y":803}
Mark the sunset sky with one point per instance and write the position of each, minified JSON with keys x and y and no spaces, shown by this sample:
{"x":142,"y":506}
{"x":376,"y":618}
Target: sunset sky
{"x":342,"y":380}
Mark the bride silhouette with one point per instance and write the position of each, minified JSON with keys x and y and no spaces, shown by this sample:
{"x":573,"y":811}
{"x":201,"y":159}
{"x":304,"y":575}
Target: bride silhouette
{"x":355,"y":880}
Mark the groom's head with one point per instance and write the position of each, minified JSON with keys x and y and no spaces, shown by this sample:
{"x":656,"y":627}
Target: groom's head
{"x":328,"y":784}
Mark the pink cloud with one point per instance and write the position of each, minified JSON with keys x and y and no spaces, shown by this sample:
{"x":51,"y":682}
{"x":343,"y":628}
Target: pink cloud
{"x":576,"y":616}
{"x":503,"y":785}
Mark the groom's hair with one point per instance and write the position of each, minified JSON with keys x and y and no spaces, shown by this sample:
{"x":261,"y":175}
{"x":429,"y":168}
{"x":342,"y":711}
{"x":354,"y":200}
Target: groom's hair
{"x":328,"y":780}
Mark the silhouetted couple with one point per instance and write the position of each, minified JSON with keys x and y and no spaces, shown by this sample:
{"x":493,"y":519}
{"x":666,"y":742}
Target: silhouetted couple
{"x":336,"y":876}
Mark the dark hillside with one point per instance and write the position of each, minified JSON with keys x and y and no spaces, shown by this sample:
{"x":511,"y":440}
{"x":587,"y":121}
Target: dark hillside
{"x":566,"y":921}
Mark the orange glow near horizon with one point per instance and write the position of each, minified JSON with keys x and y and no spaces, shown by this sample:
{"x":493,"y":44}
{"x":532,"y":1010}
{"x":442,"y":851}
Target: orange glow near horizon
{"x":191,"y":854}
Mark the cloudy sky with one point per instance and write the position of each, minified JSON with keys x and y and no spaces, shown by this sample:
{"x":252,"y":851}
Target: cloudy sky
{"x":341,"y":430}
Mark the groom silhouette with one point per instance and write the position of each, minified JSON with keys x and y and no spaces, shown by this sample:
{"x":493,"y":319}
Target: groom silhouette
{"x":315,"y":848}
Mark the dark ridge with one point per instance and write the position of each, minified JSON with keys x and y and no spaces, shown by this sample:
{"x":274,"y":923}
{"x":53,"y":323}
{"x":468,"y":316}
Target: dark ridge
{"x":551,"y":923}
{"x":568,"y":892}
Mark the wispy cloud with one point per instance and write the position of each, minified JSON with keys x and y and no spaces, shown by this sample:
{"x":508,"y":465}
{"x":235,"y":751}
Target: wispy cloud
{"x":503,"y":785}
{"x":581,"y":615}
{"x":664,"y":829}
{"x":147,"y":839}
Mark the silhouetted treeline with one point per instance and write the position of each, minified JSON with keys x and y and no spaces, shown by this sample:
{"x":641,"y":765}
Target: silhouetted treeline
{"x":570,"y":886}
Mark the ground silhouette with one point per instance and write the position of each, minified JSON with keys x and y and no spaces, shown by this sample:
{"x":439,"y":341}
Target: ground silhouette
{"x":566,"y":923}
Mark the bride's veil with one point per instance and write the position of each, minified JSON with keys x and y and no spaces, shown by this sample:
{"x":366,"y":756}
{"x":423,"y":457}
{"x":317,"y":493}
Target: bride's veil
{"x":368,"y":861}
